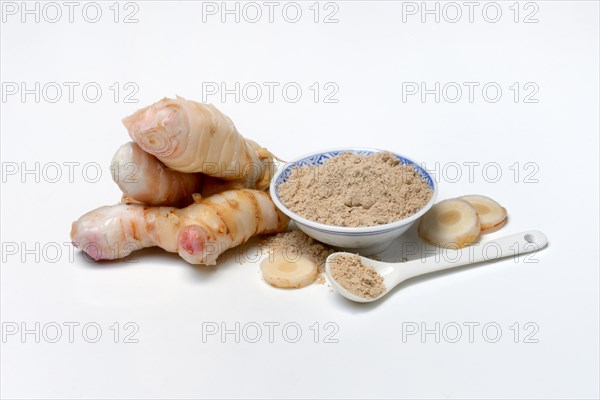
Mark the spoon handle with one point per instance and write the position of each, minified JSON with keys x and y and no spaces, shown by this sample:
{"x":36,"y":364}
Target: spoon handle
{"x":511,"y":245}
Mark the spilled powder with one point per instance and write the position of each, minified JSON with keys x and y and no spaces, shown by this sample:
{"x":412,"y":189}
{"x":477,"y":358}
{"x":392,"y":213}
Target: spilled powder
{"x":296,"y":243}
{"x":355,"y":190}
{"x":360,"y":279}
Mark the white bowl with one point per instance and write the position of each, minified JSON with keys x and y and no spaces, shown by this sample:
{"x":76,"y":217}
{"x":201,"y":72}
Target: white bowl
{"x":364,"y":240}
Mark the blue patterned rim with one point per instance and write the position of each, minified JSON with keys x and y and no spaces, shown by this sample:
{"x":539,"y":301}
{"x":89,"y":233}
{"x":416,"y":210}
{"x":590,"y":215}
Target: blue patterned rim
{"x":284,"y":172}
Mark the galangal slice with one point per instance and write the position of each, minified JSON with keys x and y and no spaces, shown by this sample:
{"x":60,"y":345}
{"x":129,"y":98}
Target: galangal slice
{"x":286,"y":272}
{"x":451,"y":224}
{"x":492,"y":216}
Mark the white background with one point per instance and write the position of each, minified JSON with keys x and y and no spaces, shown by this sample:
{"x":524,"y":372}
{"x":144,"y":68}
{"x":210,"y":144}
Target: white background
{"x":368,"y":54}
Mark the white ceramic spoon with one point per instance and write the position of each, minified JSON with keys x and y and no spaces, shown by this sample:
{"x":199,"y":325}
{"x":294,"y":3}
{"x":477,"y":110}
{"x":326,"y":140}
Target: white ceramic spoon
{"x":394,"y":273}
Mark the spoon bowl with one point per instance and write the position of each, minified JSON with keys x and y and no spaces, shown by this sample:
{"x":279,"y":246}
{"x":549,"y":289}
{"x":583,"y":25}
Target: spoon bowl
{"x":395,"y":273}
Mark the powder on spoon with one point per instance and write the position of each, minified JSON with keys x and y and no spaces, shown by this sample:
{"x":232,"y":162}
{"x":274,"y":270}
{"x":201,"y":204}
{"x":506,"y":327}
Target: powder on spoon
{"x":361,"y":280}
{"x":356,"y":190}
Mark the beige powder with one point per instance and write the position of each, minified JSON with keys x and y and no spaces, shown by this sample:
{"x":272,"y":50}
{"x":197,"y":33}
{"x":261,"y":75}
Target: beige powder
{"x":297,"y":243}
{"x":356,"y":277}
{"x":355,"y":190}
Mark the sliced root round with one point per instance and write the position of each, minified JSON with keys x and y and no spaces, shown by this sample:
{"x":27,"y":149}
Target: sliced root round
{"x":451,"y":224}
{"x":284,"y":272}
{"x":492,"y":216}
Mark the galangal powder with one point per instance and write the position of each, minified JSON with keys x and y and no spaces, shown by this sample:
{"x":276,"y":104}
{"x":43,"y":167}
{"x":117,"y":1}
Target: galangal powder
{"x":354,"y":276}
{"x":356,"y":190}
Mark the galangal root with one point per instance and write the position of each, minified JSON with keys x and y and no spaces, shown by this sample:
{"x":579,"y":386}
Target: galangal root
{"x":192,"y":137}
{"x":199,"y":233}
{"x":185,"y":154}
{"x":144,"y":179}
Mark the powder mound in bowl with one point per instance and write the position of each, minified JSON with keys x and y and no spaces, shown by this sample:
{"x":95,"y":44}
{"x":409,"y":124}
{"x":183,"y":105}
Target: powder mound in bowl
{"x":360,"y":279}
{"x":355,"y":190}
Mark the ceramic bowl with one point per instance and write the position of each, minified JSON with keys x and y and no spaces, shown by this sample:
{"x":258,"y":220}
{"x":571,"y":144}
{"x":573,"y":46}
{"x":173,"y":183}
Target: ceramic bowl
{"x":366,"y":240}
